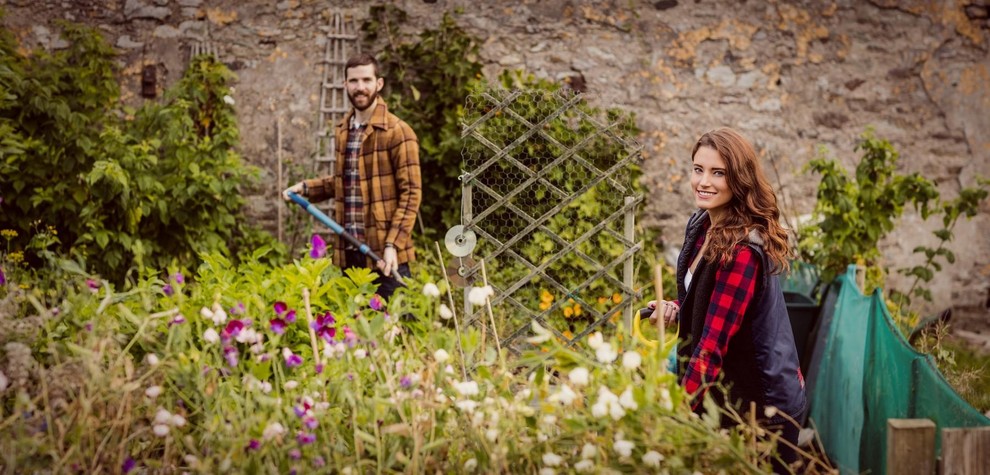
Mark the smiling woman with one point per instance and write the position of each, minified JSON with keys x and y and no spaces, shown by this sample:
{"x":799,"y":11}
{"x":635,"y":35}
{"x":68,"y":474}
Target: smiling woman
{"x":729,"y":299}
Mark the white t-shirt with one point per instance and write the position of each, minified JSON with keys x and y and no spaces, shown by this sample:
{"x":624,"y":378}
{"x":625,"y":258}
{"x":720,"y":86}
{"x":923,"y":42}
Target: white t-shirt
{"x":687,"y":280}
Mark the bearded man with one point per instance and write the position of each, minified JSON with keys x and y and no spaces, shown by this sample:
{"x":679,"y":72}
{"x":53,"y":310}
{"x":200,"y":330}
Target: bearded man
{"x":376,"y":185}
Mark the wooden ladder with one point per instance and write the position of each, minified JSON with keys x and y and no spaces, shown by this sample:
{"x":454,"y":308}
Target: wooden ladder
{"x":342,"y":42}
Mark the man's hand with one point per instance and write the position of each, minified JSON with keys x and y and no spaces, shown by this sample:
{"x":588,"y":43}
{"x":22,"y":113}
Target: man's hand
{"x":389,"y":262}
{"x":297,"y":189}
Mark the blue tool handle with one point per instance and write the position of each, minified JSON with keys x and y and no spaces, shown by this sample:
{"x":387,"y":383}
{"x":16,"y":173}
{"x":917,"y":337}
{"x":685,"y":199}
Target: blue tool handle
{"x":323,"y":218}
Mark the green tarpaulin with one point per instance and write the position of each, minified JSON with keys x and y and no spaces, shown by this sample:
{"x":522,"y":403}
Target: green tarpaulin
{"x":863,"y":372}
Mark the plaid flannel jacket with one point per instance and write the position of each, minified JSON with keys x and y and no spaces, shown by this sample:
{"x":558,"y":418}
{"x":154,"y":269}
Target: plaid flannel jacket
{"x":391,"y":187}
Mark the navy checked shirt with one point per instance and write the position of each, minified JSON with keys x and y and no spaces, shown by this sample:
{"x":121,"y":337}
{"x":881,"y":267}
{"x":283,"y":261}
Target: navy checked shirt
{"x":353,"y":202}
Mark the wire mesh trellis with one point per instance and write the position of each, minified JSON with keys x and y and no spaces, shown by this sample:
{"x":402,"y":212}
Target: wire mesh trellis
{"x":547,"y":191}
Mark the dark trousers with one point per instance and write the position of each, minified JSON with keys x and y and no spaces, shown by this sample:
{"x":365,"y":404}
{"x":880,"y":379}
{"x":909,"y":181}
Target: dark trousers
{"x":386,"y":285}
{"x":787,"y":446}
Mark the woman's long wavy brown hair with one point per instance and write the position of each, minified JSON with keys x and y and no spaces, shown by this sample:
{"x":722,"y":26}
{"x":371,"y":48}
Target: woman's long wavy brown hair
{"x":753,"y":205}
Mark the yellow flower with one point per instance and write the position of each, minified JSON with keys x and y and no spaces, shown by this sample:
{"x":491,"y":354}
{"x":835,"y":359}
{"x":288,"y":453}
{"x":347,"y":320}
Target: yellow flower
{"x":546,"y":296}
{"x":8,"y":234}
{"x":616,"y":297}
{"x":544,"y":305}
{"x":577,"y":311}
{"x":568,"y":312}
{"x":602,"y":300}
{"x":568,"y":334}
{"x":15,"y":257}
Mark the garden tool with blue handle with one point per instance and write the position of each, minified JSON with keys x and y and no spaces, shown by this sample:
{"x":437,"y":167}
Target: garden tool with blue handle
{"x":339,"y":230}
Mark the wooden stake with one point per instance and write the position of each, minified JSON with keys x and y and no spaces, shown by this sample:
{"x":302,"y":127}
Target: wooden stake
{"x":491,"y":316}
{"x":453,"y":310}
{"x":658,"y":287}
{"x":279,"y":185}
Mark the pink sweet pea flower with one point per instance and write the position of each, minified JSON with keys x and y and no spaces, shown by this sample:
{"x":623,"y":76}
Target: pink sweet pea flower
{"x":291,"y":359}
{"x":230,"y":354}
{"x":319,"y":246}
{"x":290,"y":317}
{"x":233,"y":328}
{"x":280,"y":308}
{"x":376,"y":303}
{"x":305,"y":438}
{"x":277,"y":325}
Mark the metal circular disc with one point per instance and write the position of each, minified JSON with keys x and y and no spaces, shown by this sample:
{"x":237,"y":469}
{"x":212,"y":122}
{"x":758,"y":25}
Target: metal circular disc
{"x":460,"y":242}
{"x":456,"y":270}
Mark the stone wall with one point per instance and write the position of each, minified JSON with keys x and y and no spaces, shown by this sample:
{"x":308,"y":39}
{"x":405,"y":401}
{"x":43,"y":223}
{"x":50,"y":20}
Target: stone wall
{"x":792,"y":75}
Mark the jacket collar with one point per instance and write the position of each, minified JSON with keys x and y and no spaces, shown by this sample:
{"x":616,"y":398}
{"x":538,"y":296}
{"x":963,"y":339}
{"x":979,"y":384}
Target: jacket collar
{"x":378,"y":117}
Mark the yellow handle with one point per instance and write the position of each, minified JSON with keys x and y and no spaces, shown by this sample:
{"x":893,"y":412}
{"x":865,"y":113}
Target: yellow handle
{"x":652,"y":344}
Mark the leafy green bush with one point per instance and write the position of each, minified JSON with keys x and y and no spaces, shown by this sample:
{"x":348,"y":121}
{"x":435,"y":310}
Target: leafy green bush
{"x":428,"y":77}
{"x":254,"y":368}
{"x":117,"y":189}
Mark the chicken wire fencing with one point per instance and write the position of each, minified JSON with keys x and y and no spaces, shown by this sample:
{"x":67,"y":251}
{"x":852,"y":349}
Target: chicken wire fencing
{"x":546,"y":189}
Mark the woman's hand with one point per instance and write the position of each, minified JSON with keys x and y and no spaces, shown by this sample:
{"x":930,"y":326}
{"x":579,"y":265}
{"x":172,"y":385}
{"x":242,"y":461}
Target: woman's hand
{"x":666,"y":310}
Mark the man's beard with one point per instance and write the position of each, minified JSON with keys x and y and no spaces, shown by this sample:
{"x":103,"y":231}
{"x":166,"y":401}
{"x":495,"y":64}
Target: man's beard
{"x":371,"y":100}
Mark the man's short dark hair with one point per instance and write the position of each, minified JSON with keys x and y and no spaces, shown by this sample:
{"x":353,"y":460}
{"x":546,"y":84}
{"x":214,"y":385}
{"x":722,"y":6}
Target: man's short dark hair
{"x":362,"y":59}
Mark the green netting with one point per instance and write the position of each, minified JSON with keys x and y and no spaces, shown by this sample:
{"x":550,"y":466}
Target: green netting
{"x":868,"y":373}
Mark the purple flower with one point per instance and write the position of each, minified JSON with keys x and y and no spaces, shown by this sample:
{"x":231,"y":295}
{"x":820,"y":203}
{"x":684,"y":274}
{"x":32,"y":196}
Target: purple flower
{"x":237,"y":309}
{"x":179,"y":278}
{"x":376,"y":303}
{"x":93,"y":285}
{"x":295,"y":454}
{"x":405,"y":382}
{"x":89,"y":326}
{"x":349,"y":337}
{"x":300,"y":410}
{"x":230,"y":354}
{"x":3,"y":278}
{"x":280,"y":308}
{"x":277,"y":325}
{"x":291,"y":316}
{"x":177,"y":320}
{"x":318,"y":461}
{"x":233,"y":328}
{"x":327,"y":333}
{"x":168,"y":290}
{"x":128,"y":465}
{"x":305,"y":438}
{"x":310,"y":422}
{"x":319,"y":246}
{"x":291,"y":359}
{"x":252,"y":445}
{"x":326,"y":319}
{"x":319,"y":368}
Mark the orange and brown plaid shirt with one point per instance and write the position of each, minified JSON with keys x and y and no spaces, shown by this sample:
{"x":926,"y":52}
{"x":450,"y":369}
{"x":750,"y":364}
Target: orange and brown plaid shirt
{"x":391,"y":187}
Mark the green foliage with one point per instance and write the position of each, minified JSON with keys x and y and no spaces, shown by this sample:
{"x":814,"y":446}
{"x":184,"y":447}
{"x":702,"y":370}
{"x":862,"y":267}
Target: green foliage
{"x":851,"y":215}
{"x":118,"y":189}
{"x":427,"y":78}
{"x":569,"y":135}
{"x":198,"y":380}
{"x":966,"y":204}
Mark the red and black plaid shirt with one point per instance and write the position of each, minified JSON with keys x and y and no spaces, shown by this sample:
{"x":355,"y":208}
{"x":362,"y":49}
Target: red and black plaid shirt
{"x":735,"y":286}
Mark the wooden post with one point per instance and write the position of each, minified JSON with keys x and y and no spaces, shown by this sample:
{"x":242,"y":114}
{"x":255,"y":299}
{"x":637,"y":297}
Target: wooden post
{"x":910,"y":447}
{"x":629,"y":232}
{"x":965,"y":451}
{"x":279,"y":185}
